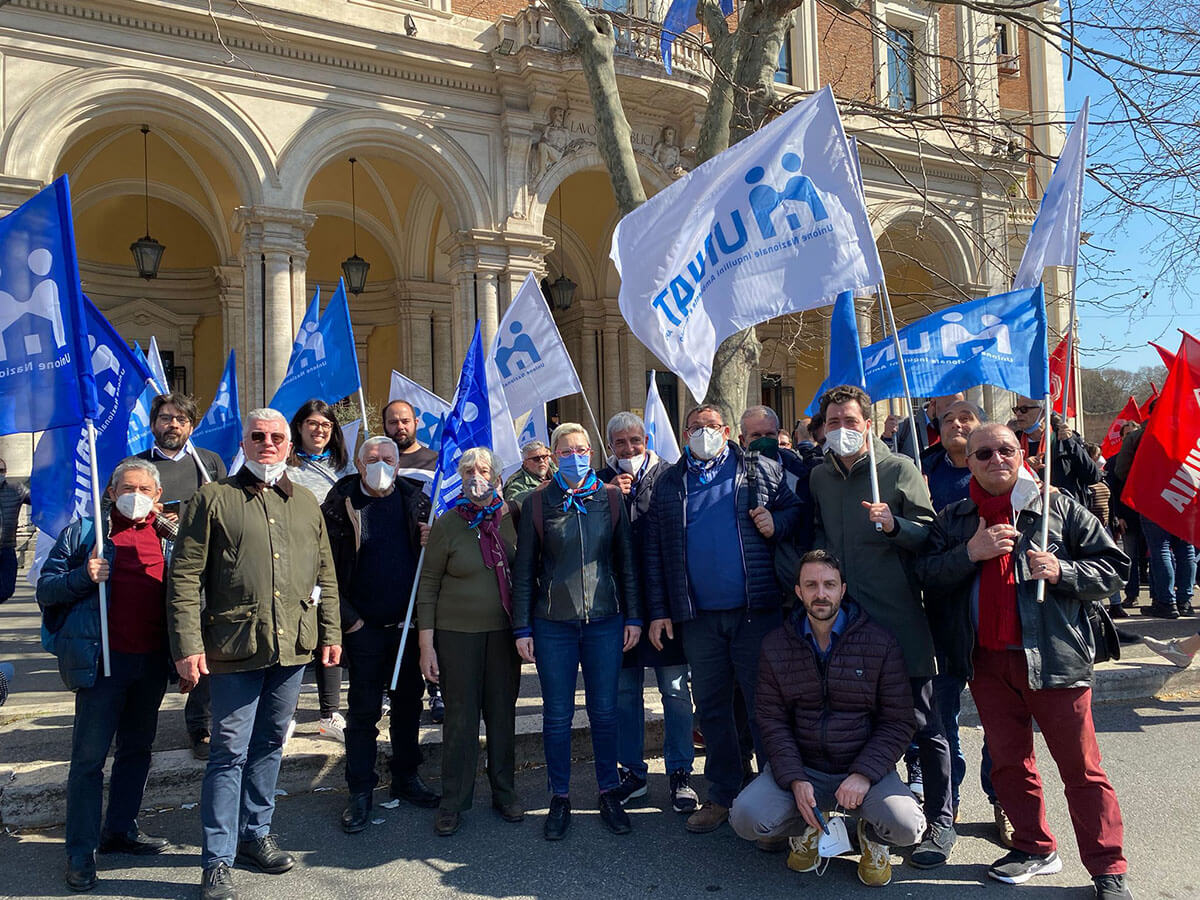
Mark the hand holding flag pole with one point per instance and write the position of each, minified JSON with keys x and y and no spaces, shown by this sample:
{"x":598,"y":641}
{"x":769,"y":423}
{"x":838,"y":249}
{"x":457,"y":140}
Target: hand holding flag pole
{"x":99,"y":530}
{"x":874,"y":474}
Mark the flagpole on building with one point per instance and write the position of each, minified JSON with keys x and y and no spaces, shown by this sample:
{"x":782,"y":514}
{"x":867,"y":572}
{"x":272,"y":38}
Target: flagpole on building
{"x":412,"y":595}
{"x":99,"y":528}
{"x":912,"y":416}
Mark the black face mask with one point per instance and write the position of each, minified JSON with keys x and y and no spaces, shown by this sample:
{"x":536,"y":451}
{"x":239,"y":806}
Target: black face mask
{"x":767,"y":446}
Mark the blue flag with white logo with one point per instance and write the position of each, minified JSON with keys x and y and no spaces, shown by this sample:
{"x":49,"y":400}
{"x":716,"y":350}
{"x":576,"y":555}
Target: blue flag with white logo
{"x":312,"y":318}
{"x":845,"y":353}
{"x":325,"y":366}
{"x":681,"y":15}
{"x":45,"y":376}
{"x":468,"y":425}
{"x":60,"y":483}
{"x":999,"y":340}
{"x":140,"y":436}
{"x":221,"y":428}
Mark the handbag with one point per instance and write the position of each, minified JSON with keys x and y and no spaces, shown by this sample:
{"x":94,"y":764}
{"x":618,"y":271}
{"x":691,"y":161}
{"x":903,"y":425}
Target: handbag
{"x":1104,"y":633}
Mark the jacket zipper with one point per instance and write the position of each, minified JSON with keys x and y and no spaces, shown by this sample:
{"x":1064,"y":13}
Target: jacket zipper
{"x":582,"y":557}
{"x":738,"y":475}
{"x":687,"y":588}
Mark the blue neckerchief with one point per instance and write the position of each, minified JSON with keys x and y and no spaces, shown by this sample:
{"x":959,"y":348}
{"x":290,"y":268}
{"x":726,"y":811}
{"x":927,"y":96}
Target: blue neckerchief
{"x":573,"y":496}
{"x":481,"y":512}
{"x":705,"y":469}
{"x":313,"y":457}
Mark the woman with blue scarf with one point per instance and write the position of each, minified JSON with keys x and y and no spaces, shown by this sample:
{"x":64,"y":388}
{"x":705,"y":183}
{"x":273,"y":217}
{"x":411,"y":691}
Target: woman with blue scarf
{"x":576,"y":604}
{"x":464,"y":617}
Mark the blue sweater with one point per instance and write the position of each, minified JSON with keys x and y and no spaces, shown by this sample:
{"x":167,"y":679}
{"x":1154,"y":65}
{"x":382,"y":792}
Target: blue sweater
{"x":714,"y":546}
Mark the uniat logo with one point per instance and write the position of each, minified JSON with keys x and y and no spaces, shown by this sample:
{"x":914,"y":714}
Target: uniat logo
{"x":520,"y":353}
{"x":27,"y":323}
{"x":956,"y":339}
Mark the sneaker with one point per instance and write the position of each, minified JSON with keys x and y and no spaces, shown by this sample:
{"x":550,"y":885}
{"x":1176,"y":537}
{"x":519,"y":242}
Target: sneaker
{"x":1186,"y":609}
{"x":683,"y":796}
{"x":437,"y":709}
{"x":875,"y":864}
{"x":803,"y":855}
{"x":1003,"y":825}
{"x":291,"y":729}
{"x":935,"y":850}
{"x":631,"y":787}
{"x":709,"y":817}
{"x":333,"y":727}
{"x":1156,"y":611}
{"x":558,"y":819}
{"x":613,"y":814}
{"x":386,"y":708}
{"x":916,"y":782}
{"x":1017,"y":866}
{"x":1169,"y":650}
{"x":1112,"y":887}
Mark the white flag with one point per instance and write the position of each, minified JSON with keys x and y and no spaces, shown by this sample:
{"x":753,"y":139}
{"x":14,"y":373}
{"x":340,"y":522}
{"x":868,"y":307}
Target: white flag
{"x":504,"y":434}
{"x":532,"y":427}
{"x":428,"y":408}
{"x":529,"y":353}
{"x":660,"y":437}
{"x":157,"y":369}
{"x":773,"y":225}
{"x":1054,"y":239}
{"x":350,"y":436}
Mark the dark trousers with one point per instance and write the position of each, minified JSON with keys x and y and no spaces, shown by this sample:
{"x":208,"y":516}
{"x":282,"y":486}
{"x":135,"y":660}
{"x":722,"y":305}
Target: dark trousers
{"x":8,"y":572}
{"x":197,"y":711}
{"x":329,"y":687}
{"x":934,"y":752}
{"x":723,"y":648}
{"x":947,"y":692}
{"x":1007,"y":708}
{"x":370,"y":656}
{"x":1134,"y":544}
{"x":123,"y":706}
{"x":480,"y":673}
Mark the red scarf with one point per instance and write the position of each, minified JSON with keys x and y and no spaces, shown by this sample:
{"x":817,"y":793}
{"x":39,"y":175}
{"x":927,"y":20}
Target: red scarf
{"x":999,"y":619}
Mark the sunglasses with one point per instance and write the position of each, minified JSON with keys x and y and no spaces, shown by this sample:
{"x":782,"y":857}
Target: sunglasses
{"x":261,"y":437}
{"x":540,"y":457}
{"x":983,"y":454}
{"x":1021,"y":410}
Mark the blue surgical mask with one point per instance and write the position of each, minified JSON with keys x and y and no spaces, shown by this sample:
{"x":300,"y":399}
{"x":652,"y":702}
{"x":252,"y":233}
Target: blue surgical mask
{"x":574,"y":468}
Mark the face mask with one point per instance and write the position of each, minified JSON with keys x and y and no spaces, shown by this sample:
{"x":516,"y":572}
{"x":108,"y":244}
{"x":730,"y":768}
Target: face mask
{"x":134,"y":507}
{"x":1036,"y":426}
{"x":706,"y":443}
{"x":478,"y":489}
{"x":380,"y":475}
{"x":575,"y":468}
{"x":266,"y":473}
{"x":768,"y":447}
{"x":844,"y":441}
{"x":633,"y":465}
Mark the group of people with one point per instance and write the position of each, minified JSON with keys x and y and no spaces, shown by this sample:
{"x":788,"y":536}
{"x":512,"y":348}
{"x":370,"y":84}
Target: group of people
{"x":817,"y":609}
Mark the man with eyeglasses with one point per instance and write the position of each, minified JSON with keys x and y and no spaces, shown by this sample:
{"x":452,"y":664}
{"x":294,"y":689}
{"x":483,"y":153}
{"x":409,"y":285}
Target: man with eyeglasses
{"x":709,"y":568}
{"x":1026,"y":660}
{"x":257,"y":546}
{"x":1071,"y":468}
{"x":12,"y":497}
{"x":537,"y":467}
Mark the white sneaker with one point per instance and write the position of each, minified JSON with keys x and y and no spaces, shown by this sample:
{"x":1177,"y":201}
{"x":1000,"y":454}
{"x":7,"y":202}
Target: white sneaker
{"x":1169,"y":650}
{"x":291,"y":729}
{"x":386,"y":708}
{"x":333,"y":727}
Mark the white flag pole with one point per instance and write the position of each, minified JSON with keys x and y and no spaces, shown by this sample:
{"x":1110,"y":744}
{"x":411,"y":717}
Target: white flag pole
{"x":1048,"y":403}
{"x":874,"y":473}
{"x":886,"y":301}
{"x":99,"y":523}
{"x":362,"y":407}
{"x":595,"y":424}
{"x":412,"y":595}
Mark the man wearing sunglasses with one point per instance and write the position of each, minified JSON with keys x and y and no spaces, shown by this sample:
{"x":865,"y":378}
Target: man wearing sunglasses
{"x":1071,"y":468}
{"x":537,"y":467}
{"x":257,"y":546}
{"x":1025,"y":660}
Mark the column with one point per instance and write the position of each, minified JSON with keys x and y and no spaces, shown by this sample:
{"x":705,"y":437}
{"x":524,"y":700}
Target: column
{"x":444,"y":364}
{"x":231,"y":296}
{"x":487,"y":286}
{"x":610,"y":367}
{"x":587,"y":374}
{"x":279,"y":333}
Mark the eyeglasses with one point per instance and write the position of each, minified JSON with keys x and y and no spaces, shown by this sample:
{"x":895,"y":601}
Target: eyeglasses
{"x":540,"y":457}
{"x":275,"y":437}
{"x":696,"y":429}
{"x":318,"y":424}
{"x":167,"y":419}
{"x":580,"y":451}
{"x":1021,"y":410}
{"x":983,"y":454}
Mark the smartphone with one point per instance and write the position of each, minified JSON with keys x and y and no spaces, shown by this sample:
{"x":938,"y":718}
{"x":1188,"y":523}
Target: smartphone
{"x":171,"y":507}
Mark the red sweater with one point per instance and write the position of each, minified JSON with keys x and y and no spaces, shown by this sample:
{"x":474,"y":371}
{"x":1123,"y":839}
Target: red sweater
{"x":137,"y":612}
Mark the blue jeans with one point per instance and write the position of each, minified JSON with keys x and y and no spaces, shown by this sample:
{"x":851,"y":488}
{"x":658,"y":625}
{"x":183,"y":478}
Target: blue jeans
{"x":1172,"y":566}
{"x":948,"y":696}
{"x":678,"y":751}
{"x":722,"y":648}
{"x":250,"y":715}
{"x":123,"y":706}
{"x":561,"y":650}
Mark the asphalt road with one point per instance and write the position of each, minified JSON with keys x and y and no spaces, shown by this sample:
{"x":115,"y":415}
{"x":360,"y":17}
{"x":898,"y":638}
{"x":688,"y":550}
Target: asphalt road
{"x":1150,"y":751}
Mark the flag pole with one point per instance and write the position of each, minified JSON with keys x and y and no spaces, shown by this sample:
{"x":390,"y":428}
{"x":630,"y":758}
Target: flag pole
{"x":886,"y":301}
{"x":1048,"y":404}
{"x":595,"y":424}
{"x":99,"y":553}
{"x":412,"y":595}
{"x":874,"y":472}
{"x":362,"y":408}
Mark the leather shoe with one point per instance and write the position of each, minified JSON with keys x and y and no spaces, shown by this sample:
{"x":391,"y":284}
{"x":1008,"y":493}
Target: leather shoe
{"x":510,"y":812}
{"x":81,"y":872}
{"x":357,"y":814}
{"x":446,"y":822}
{"x":558,"y":820}
{"x":264,"y":854}
{"x":613,"y":814}
{"x":1156,"y":611}
{"x":133,"y":841}
{"x":412,"y":789}
{"x":217,"y":884}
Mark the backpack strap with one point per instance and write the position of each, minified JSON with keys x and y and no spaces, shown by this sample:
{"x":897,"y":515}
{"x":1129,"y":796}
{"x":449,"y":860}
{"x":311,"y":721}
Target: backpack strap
{"x":615,"y":499}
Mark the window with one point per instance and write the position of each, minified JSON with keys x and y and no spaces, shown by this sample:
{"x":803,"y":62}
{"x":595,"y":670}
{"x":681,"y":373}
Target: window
{"x":902,"y":68}
{"x":1002,"y":39}
{"x":1008,"y":60}
{"x":783,"y":72}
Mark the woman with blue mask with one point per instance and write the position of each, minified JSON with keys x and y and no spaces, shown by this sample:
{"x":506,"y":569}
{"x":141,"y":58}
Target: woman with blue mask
{"x":576,"y":605}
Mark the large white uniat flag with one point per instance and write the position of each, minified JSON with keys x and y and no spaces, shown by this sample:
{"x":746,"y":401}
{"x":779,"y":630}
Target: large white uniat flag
{"x":773,"y":225}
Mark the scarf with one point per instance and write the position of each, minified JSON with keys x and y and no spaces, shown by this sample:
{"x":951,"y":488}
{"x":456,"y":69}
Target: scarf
{"x":487,"y":520}
{"x":574,"y":497}
{"x":999,"y":619}
{"x":313,"y":457}
{"x":705,"y":469}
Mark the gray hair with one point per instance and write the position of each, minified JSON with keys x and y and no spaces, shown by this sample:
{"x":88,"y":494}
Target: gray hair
{"x":530,"y":446}
{"x":564,"y":430}
{"x":755,"y":412}
{"x":376,"y":441}
{"x":134,"y":465}
{"x":975,"y":410}
{"x":624,"y":421}
{"x":475,"y":455}
{"x":265,"y":414}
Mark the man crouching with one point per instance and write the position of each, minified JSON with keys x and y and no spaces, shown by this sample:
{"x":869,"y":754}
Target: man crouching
{"x":836,"y":712}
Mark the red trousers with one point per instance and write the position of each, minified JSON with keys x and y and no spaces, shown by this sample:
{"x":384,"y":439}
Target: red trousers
{"x":1007,"y":707}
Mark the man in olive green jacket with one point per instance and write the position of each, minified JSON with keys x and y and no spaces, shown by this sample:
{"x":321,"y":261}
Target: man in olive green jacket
{"x":537,"y":465}
{"x":255,"y":545}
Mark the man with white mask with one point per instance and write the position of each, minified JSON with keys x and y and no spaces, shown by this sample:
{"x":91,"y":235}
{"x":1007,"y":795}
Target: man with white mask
{"x":376,"y":528}
{"x":708,"y":567}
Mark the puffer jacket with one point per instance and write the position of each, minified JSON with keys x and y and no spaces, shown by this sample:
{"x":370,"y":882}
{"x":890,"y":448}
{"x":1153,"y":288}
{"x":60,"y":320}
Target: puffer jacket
{"x":582,"y":567}
{"x":1055,"y":634}
{"x":852,"y":714}
{"x":668,"y":595}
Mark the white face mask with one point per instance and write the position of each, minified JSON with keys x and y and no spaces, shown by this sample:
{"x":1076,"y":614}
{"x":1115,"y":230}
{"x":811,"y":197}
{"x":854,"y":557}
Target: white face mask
{"x":844,"y":441}
{"x":267,"y":473}
{"x":706,"y":443}
{"x":477,"y":489}
{"x":135,"y":506}
{"x":380,"y":475}
{"x":633,"y":465}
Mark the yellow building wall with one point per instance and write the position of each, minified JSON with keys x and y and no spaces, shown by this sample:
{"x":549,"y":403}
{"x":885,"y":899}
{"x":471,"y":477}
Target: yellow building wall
{"x":809,"y":373}
{"x":208,"y":360}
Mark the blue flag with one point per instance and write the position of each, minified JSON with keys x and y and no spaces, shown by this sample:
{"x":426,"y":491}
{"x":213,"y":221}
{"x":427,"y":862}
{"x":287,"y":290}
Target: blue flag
{"x":468,"y":425}
{"x":845,"y":353}
{"x":45,"y":373}
{"x":325,"y":366}
{"x":312,"y":317}
{"x":60,"y":483}
{"x":681,"y":15}
{"x":140,"y":436}
{"x":221,"y":428}
{"x":998,"y":340}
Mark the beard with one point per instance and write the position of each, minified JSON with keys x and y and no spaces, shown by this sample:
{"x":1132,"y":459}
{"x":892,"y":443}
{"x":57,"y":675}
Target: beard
{"x":403,"y":442}
{"x":171,"y":440}
{"x":825,"y":612}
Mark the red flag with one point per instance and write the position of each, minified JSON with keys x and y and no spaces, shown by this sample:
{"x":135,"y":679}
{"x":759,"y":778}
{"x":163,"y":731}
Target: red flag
{"x":1112,"y":441}
{"x":1144,"y":409}
{"x":1059,"y":365}
{"x":1164,"y":483}
{"x":1168,"y":357}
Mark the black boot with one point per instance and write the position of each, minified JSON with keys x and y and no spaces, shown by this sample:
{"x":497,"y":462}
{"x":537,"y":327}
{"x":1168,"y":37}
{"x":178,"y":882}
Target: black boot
{"x":264,"y":854}
{"x":357,"y":814}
